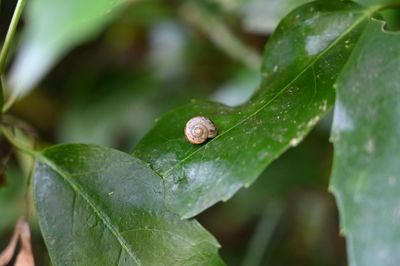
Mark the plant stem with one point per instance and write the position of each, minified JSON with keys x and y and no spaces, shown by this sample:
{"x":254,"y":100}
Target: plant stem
{"x":16,"y":143}
{"x":220,"y":34}
{"x":262,"y":235}
{"x":27,"y":196}
{"x":11,"y":99}
{"x":1,"y":98}
{"x":10,"y":34}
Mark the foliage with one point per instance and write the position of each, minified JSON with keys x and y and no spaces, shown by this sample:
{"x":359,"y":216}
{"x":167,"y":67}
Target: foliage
{"x":113,"y":200}
{"x":138,"y":207}
{"x":365,"y":173}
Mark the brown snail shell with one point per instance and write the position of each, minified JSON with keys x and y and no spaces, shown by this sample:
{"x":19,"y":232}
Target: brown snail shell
{"x":200,"y":128}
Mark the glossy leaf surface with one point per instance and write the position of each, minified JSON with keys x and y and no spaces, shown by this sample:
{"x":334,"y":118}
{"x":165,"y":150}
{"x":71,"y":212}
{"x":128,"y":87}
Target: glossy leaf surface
{"x":301,"y":63}
{"x":374,"y":2}
{"x":365,"y":133}
{"x":262,"y":16}
{"x":53,"y":28}
{"x":99,"y":206}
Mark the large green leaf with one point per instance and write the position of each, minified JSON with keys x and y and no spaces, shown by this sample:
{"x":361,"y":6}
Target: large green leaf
{"x":99,"y":206}
{"x":301,"y":63}
{"x":54,"y":27}
{"x":366,"y":132}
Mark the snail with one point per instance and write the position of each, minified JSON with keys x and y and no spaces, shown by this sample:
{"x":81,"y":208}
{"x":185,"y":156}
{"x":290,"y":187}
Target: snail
{"x":200,"y":128}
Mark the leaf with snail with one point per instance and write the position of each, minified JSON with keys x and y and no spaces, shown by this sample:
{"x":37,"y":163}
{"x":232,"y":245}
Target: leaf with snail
{"x":301,"y":63}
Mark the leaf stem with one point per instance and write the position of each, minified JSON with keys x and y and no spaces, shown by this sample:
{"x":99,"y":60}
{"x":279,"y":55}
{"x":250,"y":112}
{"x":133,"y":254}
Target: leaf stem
{"x":10,"y":34}
{"x":1,"y":98}
{"x":263,"y":234}
{"x":11,"y":99}
{"x":27,"y":196}
{"x":220,"y":34}
{"x":16,"y":143}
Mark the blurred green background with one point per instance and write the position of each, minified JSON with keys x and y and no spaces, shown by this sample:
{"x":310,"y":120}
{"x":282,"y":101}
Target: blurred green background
{"x":157,"y":56}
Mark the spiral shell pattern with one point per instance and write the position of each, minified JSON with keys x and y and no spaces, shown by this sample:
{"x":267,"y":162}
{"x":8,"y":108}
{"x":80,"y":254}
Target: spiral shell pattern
{"x":200,"y":128}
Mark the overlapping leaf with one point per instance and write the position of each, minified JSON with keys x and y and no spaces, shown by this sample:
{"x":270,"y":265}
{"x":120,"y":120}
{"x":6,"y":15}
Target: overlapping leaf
{"x":98,"y":206}
{"x":301,"y":63}
{"x":365,"y":133}
{"x":53,"y":28}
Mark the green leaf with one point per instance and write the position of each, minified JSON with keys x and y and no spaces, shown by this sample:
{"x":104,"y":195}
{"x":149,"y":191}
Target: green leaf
{"x":1,"y":99}
{"x":301,"y":63}
{"x":263,"y":16}
{"x":53,"y":28}
{"x":374,"y":2}
{"x":99,"y":206}
{"x":365,"y":133}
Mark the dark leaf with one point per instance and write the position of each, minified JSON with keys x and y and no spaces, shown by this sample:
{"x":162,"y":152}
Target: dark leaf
{"x":99,"y":206}
{"x":301,"y":63}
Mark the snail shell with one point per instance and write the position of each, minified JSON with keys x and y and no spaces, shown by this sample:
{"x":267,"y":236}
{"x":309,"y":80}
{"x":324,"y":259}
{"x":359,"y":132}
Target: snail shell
{"x":199,"y":128}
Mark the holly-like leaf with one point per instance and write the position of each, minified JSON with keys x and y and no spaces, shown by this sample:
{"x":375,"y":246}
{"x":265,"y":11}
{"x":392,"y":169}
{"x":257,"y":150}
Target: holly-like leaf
{"x":301,"y":63}
{"x":365,"y":133}
{"x":53,"y":28}
{"x":99,"y":206}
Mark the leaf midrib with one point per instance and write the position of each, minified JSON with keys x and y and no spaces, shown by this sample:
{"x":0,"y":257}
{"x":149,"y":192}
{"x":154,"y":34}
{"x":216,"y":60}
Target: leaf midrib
{"x":103,"y":217}
{"x":367,"y":13}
